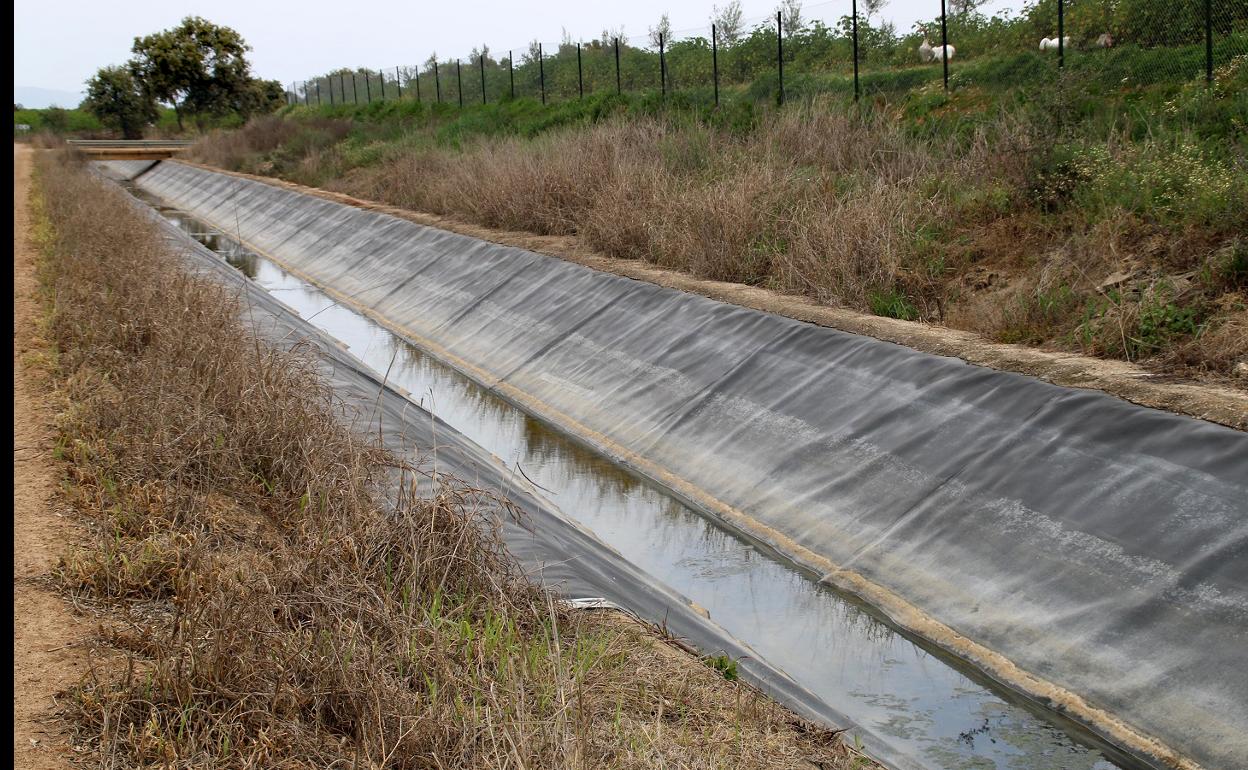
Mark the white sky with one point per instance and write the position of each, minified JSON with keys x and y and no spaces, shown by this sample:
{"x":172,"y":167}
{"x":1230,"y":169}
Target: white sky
{"x":58,"y":45}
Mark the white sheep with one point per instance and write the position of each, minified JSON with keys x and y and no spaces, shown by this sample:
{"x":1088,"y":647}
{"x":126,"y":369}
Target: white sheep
{"x":1051,"y":44}
{"x":926,"y":54}
{"x":1106,"y":40}
{"x":929,"y":54}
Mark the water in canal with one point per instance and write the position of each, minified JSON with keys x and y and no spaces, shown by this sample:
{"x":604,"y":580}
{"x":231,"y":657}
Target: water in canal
{"x":932,"y":708}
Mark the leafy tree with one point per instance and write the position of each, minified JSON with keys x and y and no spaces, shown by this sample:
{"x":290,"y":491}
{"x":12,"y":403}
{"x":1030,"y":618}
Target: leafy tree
{"x":964,"y":7}
{"x":791,"y":15}
{"x":661,"y":32}
{"x":117,"y":99}
{"x":872,"y":7}
{"x":609,"y":36}
{"x":56,"y":118}
{"x":197,"y":67}
{"x":728,"y":22}
{"x":260,"y":96}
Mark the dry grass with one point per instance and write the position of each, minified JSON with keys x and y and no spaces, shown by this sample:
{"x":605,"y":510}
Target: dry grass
{"x":816,"y":202}
{"x":281,"y":602}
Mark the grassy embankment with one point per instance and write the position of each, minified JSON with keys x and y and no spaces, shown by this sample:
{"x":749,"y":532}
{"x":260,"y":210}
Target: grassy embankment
{"x":278,"y":601}
{"x":1103,"y":209}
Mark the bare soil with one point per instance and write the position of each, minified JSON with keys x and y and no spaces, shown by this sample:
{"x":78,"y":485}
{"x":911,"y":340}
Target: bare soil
{"x":1128,"y":381}
{"x":49,"y":653}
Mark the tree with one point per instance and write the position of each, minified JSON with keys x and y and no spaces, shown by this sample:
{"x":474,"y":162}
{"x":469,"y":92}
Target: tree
{"x":872,"y":7}
{"x":662,"y":32}
{"x":791,"y":15}
{"x":964,"y":7}
{"x":728,"y":22}
{"x":609,"y":36}
{"x":56,"y":119}
{"x":535,"y":51}
{"x":117,"y":99}
{"x":260,"y":96}
{"x":197,"y":67}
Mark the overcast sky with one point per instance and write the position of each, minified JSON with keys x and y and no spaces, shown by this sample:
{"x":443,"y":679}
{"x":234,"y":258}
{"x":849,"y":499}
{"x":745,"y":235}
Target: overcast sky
{"x":60,"y":44}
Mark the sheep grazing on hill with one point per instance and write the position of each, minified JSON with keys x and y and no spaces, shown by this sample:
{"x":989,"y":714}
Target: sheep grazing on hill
{"x":1051,"y":44}
{"x":1106,"y":40}
{"x":929,"y":54}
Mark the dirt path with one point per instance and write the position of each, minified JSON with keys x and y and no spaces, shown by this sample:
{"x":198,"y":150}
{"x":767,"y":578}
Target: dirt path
{"x":47,"y":651}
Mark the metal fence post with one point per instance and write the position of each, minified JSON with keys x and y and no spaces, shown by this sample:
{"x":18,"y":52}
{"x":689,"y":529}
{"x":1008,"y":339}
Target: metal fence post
{"x":437,"y":81}
{"x":459,"y":83}
{"x":381,"y":75}
{"x":511,"y":73}
{"x":318,"y":93}
{"x":307,"y":102}
{"x":355,"y":91}
{"x":855,"y":16}
{"x":398,"y":82}
{"x":541,"y":72}
{"x":715,"y":62}
{"x":618,"y":88}
{"x":1061,"y":35}
{"x":662,"y":68}
{"x":1208,"y":41}
{"x":483,"y":78}
{"x":780,"y":55}
{"x":580,"y":73}
{"x":368,"y":86}
{"x":944,"y":44}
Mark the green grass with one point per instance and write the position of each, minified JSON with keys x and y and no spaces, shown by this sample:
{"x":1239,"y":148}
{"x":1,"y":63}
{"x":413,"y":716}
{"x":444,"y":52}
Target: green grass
{"x":57,"y":120}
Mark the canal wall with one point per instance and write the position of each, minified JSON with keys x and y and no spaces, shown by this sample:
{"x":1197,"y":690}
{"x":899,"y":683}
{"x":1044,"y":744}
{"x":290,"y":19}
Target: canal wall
{"x":1089,"y":553}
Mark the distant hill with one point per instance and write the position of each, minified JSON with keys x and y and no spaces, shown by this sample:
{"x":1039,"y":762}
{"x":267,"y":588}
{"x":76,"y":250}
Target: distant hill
{"x":40,"y":98}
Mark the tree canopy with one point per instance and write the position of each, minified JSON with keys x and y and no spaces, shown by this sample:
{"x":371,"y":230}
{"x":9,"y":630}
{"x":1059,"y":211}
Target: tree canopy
{"x":198,"y":68}
{"x":117,"y":99}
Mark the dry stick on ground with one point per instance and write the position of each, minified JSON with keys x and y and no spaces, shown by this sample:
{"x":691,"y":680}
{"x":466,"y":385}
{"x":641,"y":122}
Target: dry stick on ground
{"x":288,"y":605}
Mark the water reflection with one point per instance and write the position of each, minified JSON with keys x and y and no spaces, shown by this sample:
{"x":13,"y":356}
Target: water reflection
{"x":943,"y":715}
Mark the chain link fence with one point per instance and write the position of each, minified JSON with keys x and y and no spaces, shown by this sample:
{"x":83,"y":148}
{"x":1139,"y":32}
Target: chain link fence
{"x":854,"y":47}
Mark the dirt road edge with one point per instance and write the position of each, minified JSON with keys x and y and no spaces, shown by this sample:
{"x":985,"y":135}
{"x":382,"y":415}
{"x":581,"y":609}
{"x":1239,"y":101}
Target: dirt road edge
{"x":48,"y":640}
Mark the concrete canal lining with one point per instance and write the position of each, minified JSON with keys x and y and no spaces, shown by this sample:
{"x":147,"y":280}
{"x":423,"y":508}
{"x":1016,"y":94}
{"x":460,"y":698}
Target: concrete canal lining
{"x":1085,"y":551}
{"x":552,"y":548}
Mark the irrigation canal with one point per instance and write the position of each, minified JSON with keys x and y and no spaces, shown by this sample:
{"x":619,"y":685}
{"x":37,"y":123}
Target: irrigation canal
{"x":931,"y":708}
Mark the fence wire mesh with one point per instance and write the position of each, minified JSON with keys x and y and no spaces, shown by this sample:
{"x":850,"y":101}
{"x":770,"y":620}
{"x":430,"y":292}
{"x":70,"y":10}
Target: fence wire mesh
{"x":843,"y":46}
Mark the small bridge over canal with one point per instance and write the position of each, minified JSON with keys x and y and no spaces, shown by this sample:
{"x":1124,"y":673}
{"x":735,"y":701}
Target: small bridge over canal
{"x":130,"y":149}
